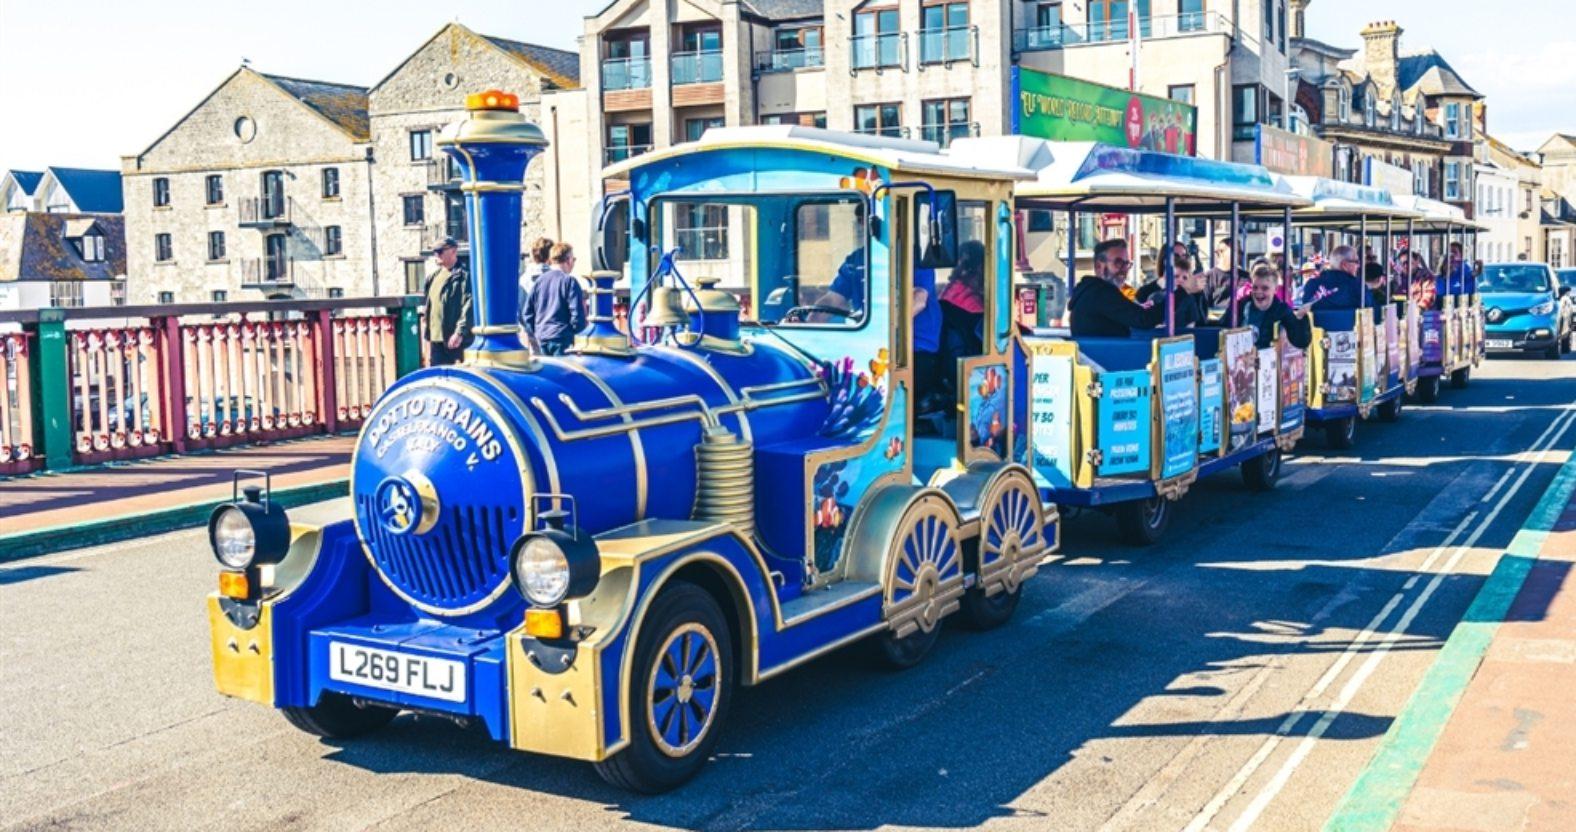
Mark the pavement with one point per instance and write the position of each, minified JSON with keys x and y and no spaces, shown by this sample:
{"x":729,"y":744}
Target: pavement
{"x":49,"y":511}
{"x":1245,"y":673}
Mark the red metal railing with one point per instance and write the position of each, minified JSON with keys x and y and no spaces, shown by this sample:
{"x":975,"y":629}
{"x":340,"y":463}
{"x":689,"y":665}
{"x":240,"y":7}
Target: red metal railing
{"x":16,"y":405}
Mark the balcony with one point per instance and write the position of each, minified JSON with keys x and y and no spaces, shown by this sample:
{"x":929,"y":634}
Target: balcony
{"x":268,"y":273}
{"x":626,"y":74}
{"x":1150,"y":28}
{"x":265,"y":211}
{"x":443,"y":174}
{"x":885,"y":51}
{"x":696,"y":67}
{"x":620,"y":152}
{"x":944,"y":134}
{"x":788,"y":60}
{"x":943,"y":46}
{"x":893,"y":132}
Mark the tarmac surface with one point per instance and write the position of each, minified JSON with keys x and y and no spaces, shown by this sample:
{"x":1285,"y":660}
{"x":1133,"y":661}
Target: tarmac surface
{"x":1238,"y":675}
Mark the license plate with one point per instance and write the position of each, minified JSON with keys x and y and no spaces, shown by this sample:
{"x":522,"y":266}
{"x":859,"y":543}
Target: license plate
{"x":1498,"y":344}
{"x":403,"y":672}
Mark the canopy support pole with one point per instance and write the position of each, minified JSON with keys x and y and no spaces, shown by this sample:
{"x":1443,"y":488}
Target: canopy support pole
{"x":1388,"y":262}
{"x":1072,"y":250}
{"x":1286,"y":252}
{"x":1170,"y":270}
{"x":1236,"y":257}
{"x":1362,"y":260}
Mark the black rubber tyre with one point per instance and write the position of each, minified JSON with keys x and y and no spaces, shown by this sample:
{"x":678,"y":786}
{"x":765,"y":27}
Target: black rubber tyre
{"x":337,"y":717}
{"x":982,"y":613}
{"x":1460,"y":378}
{"x":903,"y":653}
{"x":1553,"y":353}
{"x":1390,"y":409}
{"x":1341,"y":433}
{"x":1261,"y":473}
{"x":1143,"y":522}
{"x":682,"y":610}
{"x":1428,"y":389}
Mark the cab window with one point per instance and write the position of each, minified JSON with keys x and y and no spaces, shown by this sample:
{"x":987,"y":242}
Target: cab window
{"x":826,"y":279}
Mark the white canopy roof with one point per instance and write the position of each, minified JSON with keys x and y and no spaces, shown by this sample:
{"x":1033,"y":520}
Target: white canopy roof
{"x":1096,"y":176}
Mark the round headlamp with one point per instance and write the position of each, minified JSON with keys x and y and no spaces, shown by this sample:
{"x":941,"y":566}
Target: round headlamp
{"x":248,"y":532}
{"x":552,"y":565}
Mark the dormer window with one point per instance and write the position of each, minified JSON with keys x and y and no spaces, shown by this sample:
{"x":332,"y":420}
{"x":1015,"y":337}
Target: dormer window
{"x":87,"y":242}
{"x":1369,"y":113}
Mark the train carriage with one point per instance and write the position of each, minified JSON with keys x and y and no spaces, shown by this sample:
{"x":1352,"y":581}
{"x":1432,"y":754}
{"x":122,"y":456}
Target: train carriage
{"x":587,"y":554}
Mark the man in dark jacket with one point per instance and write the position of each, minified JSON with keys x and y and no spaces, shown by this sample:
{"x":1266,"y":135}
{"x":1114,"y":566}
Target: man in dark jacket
{"x":446,"y":301}
{"x":1097,"y":305}
{"x":1264,"y":312}
{"x":1339,"y":287}
{"x":556,"y":309}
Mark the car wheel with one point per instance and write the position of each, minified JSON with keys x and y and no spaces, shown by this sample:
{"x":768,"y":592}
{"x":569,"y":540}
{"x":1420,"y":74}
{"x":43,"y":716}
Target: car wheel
{"x":1261,"y":473}
{"x":1143,"y":522}
{"x":1428,"y":389}
{"x":679,"y":692}
{"x":1341,"y":433}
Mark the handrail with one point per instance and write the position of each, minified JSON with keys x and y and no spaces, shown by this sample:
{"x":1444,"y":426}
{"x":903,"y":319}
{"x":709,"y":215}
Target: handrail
{"x":91,"y":313}
{"x":707,"y":415}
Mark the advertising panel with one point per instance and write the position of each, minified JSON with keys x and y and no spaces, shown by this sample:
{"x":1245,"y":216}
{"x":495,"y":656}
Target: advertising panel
{"x":1122,"y":431}
{"x":1049,"y":106}
{"x":1269,"y":389}
{"x":1212,"y":405}
{"x":1294,"y":371}
{"x":1051,"y":417}
{"x":1370,"y":362}
{"x":1392,"y":343}
{"x":1285,"y":152}
{"x":1178,"y":407}
{"x":1342,"y":378}
{"x":1242,"y":380}
{"x":1383,"y":175}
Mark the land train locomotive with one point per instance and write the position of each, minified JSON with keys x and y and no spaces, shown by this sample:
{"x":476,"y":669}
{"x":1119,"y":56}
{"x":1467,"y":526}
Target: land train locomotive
{"x":586,"y":554}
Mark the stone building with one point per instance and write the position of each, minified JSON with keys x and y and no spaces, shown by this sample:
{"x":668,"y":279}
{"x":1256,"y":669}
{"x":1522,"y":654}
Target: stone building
{"x":417,"y":197}
{"x":1557,"y":157}
{"x":1508,"y":202}
{"x":58,"y":259}
{"x":262,"y":190}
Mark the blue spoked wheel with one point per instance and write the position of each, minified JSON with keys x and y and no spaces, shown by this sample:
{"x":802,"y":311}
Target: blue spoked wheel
{"x":924,"y":579}
{"x":679,"y":690}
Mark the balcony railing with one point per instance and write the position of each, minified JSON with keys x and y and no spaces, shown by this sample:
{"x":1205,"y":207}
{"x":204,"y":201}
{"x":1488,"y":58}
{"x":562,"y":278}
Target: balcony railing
{"x":620,"y":152}
{"x":944,"y":134}
{"x":143,"y":381}
{"x":268,"y":273}
{"x":787,"y":60}
{"x":956,"y":43}
{"x":265,"y":211}
{"x":697,"y":67}
{"x":882,"y":51}
{"x":442,"y":174}
{"x":626,"y":74}
{"x":1153,"y":27}
{"x":893,"y":132}
{"x":702,"y":242}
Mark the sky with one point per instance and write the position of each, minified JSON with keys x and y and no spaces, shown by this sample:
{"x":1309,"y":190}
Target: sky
{"x":84,"y":82}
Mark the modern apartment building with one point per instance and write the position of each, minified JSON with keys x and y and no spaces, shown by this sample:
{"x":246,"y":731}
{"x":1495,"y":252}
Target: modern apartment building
{"x":280,"y":187}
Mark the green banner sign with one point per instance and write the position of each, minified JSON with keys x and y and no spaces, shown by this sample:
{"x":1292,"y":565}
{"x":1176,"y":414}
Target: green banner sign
{"x":1060,"y":108}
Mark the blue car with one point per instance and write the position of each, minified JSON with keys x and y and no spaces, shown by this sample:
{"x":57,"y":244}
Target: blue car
{"x":1525,"y":309}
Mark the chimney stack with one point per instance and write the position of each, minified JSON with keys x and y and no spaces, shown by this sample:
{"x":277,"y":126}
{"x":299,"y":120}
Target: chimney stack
{"x":1381,"y":54}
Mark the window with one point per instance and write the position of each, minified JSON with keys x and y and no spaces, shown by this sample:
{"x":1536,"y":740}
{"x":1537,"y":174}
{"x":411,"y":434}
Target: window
{"x":694,"y":128}
{"x":1281,"y":21}
{"x":163,"y":251}
{"x":626,"y":140}
{"x":215,"y":189}
{"x":1269,"y":20}
{"x":1108,"y":19}
{"x":166,"y":298}
{"x":332,"y":245}
{"x":420,"y":145}
{"x":415,"y":213}
{"x":65,"y":294}
{"x":415,"y":275}
{"x":89,"y":246}
{"x":876,"y":40}
{"x":1190,"y":15}
{"x":1244,"y":111}
{"x":1369,"y":107}
{"x":161,"y":192}
{"x":219,"y":296}
{"x":699,"y":59}
{"x":1453,"y":121}
{"x":700,"y":231}
{"x":944,"y":33}
{"x":117,"y":293}
{"x":1395,"y":116}
{"x":878,"y":119}
{"x":823,"y":264}
{"x":946,"y":119}
{"x":626,"y":62}
{"x":1453,"y":185}
{"x":273,"y":198}
{"x":216,"y":245}
{"x":334,"y":292}
{"x":801,"y":119}
{"x":1344,"y":97}
{"x":796,"y":47}
{"x":330,"y":183}
{"x":1180,"y":92}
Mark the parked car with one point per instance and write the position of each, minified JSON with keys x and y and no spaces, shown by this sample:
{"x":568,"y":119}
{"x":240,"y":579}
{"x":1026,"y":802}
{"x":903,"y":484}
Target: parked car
{"x":1526,"y":309}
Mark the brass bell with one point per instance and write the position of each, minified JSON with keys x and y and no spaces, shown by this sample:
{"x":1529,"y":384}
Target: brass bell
{"x":665,"y":309}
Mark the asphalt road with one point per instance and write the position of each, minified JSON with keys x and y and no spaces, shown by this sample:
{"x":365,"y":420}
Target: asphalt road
{"x":1238,"y":675}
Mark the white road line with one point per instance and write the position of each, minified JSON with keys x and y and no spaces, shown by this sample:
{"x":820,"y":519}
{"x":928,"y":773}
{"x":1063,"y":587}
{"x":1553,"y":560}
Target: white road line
{"x":1355,"y":684}
{"x":1232,"y":787}
{"x":1497,"y":485}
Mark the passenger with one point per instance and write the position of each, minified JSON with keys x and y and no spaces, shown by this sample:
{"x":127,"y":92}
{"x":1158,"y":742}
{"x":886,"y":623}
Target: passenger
{"x":1338,"y":287}
{"x":1421,"y":288}
{"x":963,"y":304}
{"x":1097,"y":305}
{"x":1263,"y":311}
{"x":556,"y":310}
{"x":1224,"y":276}
{"x":847,"y":291}
{"x":929,"y":371}
{"x":1192,"y":303}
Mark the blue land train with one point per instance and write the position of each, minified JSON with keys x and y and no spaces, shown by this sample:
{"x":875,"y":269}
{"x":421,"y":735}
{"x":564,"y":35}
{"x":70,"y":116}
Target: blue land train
{"x":588,"y":554}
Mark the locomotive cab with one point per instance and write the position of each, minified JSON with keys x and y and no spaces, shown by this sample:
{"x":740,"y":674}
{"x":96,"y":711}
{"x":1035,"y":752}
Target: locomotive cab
{"x":588,"y":553}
